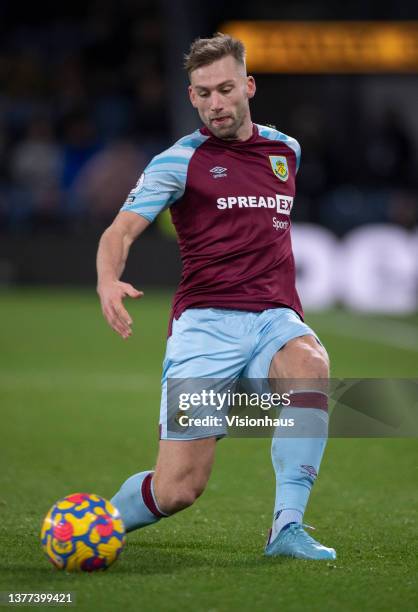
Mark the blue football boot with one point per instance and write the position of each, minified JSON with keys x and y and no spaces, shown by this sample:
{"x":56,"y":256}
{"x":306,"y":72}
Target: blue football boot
{"x":293,"y":541}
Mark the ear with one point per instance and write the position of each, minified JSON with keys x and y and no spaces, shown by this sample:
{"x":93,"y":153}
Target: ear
{"x":192,"y":96}
{"x":251,"y":87}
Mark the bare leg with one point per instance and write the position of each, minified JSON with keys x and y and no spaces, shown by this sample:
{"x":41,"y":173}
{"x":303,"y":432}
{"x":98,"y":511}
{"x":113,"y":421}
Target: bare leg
{"x":183,"y":469}
{"x":303,"y":358}
{"x":182,"y":472}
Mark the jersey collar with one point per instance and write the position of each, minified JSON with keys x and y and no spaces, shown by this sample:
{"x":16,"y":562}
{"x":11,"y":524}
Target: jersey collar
{"x":233,"y":143}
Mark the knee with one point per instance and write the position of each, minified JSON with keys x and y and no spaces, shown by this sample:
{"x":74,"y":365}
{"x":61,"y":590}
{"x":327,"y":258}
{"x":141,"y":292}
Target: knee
{"x":178,"y":497}
{"x":302,"y":357}
{"x":314,"y":360}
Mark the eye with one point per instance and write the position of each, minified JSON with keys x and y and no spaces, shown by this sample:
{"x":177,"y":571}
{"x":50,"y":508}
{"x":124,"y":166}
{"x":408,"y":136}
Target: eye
{"x":203,"y":94}
{"x":226,"y":90}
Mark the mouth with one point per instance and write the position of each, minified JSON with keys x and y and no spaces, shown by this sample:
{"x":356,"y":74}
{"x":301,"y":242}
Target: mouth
{"x":220,"y":120}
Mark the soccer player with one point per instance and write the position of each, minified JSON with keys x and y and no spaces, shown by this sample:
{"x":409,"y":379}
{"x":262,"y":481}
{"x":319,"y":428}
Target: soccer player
{"x":230,"y":188}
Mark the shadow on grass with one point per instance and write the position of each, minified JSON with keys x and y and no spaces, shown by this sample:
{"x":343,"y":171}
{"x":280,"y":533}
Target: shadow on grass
{"x":145,"y":558}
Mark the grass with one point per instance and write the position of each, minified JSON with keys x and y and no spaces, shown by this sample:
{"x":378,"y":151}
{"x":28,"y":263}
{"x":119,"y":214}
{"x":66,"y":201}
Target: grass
{"x":79,"y":409}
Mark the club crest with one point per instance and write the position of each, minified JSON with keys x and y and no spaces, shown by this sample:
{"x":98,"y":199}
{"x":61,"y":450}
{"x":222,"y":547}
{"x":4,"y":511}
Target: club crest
{"x":279,"y":166}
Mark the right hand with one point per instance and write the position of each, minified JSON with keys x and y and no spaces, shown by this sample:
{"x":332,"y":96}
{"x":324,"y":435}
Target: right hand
{"x":111,"y":295}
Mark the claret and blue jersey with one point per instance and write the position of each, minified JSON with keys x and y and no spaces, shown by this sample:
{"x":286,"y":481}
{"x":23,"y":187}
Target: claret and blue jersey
{"x":230,"y":203}
{"x":235,"y":308}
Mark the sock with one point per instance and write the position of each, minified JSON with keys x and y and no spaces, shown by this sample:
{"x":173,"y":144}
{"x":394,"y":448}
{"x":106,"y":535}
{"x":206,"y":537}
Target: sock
{"x":296,"y":460}
{"x":283,"y":518}
{"x":136,"y":502}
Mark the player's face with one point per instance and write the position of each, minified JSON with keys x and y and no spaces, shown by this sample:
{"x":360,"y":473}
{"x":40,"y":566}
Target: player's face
{"x":220,"y":92}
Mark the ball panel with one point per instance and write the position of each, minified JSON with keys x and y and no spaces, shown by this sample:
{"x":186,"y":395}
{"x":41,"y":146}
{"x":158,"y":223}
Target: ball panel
{"x":110,"y":550}
{"x":62,"y":548}
{"x":46,"y":525}
{"x":119,"y":526}
{"x":80,"y":524}
{"x":82,"y":532}
{"x":92,"y":564}
{"x":63,"y":531}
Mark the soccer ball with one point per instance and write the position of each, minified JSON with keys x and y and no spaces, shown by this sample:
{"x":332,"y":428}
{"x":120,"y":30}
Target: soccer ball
{"x":82,"y":532}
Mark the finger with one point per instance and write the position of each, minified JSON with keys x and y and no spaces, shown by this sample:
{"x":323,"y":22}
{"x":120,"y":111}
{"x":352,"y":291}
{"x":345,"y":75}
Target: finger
{"x":122,"y":320}
{"x":115,"y":323}
{"x":121,"y":326}
{"x":123,"y":334}
{"x":123,"y":315}
{"x":132,"y":292}
{"x":121,"y":329}
{"x":108,"y":315}
{"x":117,"y":309}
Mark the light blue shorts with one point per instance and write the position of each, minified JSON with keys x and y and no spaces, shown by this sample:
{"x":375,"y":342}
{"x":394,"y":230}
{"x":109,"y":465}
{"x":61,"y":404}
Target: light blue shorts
{"x":224,"y":344}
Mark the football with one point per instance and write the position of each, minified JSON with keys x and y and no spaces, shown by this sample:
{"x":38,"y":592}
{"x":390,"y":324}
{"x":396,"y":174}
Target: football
{"x":82,"y":532}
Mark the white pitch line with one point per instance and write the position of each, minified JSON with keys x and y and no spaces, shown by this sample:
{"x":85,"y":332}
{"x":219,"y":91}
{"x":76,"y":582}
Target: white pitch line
{"x":387,"y":332}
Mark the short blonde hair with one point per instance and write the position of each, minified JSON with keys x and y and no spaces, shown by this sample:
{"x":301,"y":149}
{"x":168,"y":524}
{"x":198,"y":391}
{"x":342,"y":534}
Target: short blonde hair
{"x":204,"y":51}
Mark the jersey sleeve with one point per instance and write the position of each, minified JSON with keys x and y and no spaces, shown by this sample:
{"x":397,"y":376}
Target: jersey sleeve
{"x":162,"y":183}
{"x":295,"y":146}
{"x":292,"y":143}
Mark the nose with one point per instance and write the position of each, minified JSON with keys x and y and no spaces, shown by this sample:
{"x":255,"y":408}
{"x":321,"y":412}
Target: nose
{"x":216,"y":104}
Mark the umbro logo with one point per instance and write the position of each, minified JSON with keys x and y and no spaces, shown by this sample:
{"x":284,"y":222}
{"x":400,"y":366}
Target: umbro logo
{"x":310,"y":470}
{"x":218,"y":172}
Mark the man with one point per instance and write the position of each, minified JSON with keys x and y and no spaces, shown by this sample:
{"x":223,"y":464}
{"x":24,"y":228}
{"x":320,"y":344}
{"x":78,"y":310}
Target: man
{"x":230,"y":188}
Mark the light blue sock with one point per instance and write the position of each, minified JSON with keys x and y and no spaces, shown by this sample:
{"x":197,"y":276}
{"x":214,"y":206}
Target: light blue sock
{"x":136,"y":502}
{"x":296,"y":460}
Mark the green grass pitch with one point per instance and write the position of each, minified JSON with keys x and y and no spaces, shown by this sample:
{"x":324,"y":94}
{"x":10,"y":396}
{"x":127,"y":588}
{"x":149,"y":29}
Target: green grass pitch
{"x":79,"y":412}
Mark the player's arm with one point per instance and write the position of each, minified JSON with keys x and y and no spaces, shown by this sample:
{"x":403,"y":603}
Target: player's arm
{"x":161,"y":184}
{"x":112,"y":254}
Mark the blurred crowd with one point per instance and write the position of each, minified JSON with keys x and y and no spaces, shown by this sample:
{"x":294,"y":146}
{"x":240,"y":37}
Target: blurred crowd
{"x":83,"y":107}
{"x":363,"y":172}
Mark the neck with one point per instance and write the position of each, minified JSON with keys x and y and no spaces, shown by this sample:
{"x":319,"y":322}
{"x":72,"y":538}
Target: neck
{"x":246,"y":130}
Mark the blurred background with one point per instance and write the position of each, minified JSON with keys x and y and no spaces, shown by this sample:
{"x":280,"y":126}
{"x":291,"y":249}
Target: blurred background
{"x":89,"y":92}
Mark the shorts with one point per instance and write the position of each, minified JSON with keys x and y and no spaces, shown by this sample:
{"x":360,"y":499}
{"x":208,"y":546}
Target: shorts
{"x":223,"y":344}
